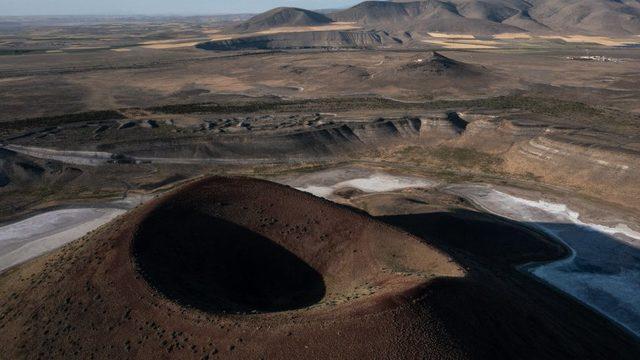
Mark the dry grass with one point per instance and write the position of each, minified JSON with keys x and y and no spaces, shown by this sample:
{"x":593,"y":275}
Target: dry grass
{"x":465,"y":41}
{"x":225,"y":37}
{"x":293,"y":29}
{"x":446,"y":158}
{"x":470,"y":44}
{"x":450,"y":35}
{"x":510,"y":36}
{"x":336,"y":26}
{"x":171,"y":45}
{"x":169,"y":41}
{"x":75,"y":47}
{"x":601,"y":40}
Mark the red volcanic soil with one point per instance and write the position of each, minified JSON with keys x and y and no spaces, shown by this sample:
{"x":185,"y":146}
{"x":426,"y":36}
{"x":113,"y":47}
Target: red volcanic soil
{"x":234,"y":267}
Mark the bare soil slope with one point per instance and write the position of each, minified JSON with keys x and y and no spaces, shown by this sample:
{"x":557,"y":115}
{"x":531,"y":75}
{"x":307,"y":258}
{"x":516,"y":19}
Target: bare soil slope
{"x":419,"y":16}
{"x":254,"y":263}
{"x":282,"y":17}
{"x":497,"y":16}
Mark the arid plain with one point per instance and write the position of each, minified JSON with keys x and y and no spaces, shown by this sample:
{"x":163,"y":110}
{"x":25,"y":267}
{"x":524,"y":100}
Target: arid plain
{"x":323,"y":186}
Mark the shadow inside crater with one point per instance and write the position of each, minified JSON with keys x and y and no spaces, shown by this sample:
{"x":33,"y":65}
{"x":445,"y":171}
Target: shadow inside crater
{"x":486,"y":238}
{"x":217,"y":266}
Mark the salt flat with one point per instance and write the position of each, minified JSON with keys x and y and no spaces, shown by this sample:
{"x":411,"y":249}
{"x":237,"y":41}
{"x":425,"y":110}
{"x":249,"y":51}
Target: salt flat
{"x":325,"y":183}
{"x":36,"y":235}
{"x":603,"y":270}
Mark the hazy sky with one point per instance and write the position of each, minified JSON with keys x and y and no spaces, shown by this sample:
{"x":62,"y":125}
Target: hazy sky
{"x":140,"y":7}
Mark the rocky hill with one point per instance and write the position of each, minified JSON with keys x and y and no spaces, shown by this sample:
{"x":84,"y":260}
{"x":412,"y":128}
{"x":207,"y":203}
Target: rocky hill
{"x":611,"y":17}
{"x":283,"y":17}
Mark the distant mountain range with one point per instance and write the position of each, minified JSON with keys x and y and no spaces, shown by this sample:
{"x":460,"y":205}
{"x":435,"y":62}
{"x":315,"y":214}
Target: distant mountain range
{"x":601,"y":17}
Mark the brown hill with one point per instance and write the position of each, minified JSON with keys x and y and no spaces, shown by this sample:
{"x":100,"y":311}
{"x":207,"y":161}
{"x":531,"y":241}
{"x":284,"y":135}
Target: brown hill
{"x":494,"y":16}
{"x":422,"y":16}
{"x":434,"y":63}
{"x":384,"y":20}
{"x":241,"y":267}
{"x":282,"y":17}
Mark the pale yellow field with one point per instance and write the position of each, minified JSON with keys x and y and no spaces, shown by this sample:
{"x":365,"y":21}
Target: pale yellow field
{"x":508,"y":36}
{"x":450,"y":35}
{"x":291,"y":29}
{"x":169,"y":41}
{"x":462,"y":41}
{"x":121,"y":50}
{"x":601,"y":40}
{"x":470,"y":44}
{"x":179,"y":43}
{"x":224,"y":37}
{"x":294,"y":29}
{"x":171,"y":45}
{"x":82,"y":48}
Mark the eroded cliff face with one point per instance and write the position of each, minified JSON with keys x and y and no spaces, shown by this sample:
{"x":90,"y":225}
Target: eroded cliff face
{"x":584,"y":160}
{"x":605,"y":172}
{"x":508,"y":145}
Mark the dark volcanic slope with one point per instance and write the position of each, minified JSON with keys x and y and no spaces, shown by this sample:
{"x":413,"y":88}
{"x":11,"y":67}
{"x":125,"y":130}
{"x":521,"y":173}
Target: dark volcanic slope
{"x":434,"y":63}
{"x":249,"y":268}
{"x":493,"y":16}
{"x":281,"y":17}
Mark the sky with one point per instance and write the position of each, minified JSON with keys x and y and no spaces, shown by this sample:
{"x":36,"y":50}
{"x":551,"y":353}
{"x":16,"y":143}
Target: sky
{"x":156,"y":7}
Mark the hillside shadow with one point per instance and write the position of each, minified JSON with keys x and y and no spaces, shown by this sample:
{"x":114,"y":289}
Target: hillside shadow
{"x":487,"y":237}
{"x":495,"y":298}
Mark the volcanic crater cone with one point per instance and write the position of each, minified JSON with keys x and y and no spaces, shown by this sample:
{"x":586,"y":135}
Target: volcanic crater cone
{"x":434,"y":63}
{"x":226,"y":264}
{"x":247,"y":246}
